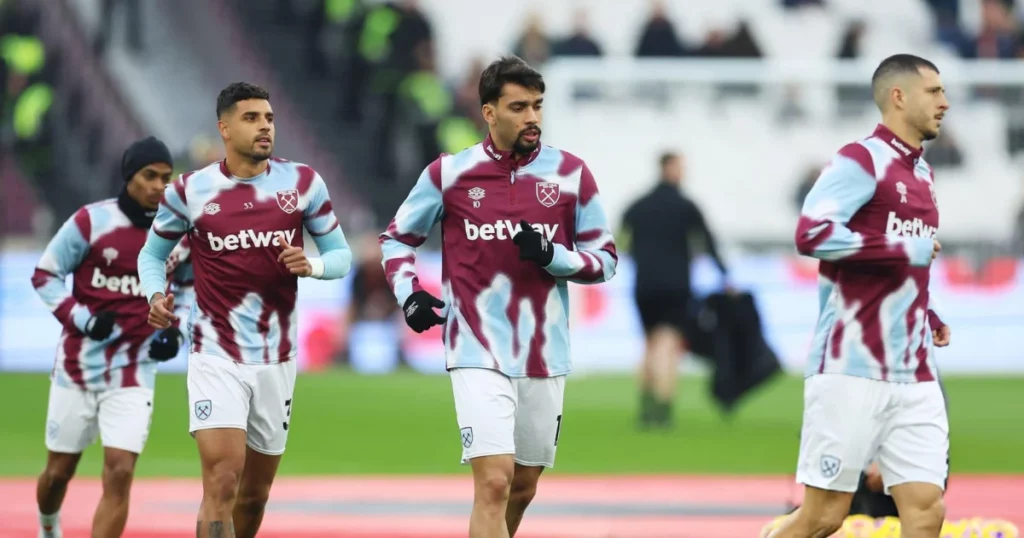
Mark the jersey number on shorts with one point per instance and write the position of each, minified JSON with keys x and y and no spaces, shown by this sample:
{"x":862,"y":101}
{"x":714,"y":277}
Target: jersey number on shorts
{"x":288,"y":411}
{"x":558,"y":428}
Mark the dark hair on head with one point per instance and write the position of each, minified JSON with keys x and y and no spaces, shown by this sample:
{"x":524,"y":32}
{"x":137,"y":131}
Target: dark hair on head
{"x":509,"y":69}
{"x":667,"y":157}
{"x":897,"y":64}
{"x":239,"y":91}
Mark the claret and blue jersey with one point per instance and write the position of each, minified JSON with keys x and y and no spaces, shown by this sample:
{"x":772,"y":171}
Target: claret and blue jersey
{"x":503,"y":313}
{"x":871,"y":218}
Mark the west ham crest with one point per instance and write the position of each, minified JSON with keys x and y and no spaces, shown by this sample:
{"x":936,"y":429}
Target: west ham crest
{"x":547,"y":194}
{"x":288,"y":200}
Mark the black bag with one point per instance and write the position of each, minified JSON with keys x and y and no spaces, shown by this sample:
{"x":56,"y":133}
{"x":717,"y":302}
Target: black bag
{"x":726,"y":329}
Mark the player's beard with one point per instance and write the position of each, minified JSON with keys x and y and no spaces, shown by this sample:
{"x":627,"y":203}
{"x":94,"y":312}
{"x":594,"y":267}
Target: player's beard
{"x":522,"y":147}
{"x":924,"y":125}
{"x":257,"y":154}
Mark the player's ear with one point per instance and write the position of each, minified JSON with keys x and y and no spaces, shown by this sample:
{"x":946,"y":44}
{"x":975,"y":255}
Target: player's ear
{"x":489,"y":113}
{"x":222,"y":126}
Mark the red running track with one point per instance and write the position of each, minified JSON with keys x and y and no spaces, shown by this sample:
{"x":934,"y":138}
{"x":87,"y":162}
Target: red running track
{"x":566,"y":506}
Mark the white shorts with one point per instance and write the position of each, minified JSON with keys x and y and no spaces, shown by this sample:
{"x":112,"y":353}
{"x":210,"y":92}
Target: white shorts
{"x":256,"y":398}
{"x":850,"y":421}
{"x":121,"y":418}
{"x":501,"y":415}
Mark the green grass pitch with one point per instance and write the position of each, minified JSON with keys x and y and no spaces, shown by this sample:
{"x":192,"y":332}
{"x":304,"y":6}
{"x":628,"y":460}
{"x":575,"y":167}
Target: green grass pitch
{"x":344,"y":423}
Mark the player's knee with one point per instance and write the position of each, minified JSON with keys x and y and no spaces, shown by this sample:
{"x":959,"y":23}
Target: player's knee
{"x":493,"y":487}
{"x":222,"y":485}
{"x":117,"y":477}
{"x":252,"y":501}
{"x":58,"y":476}
{"x":522,"y":494}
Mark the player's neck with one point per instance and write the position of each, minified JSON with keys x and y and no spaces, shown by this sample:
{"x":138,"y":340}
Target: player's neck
{"x":906,"y":133}
{"x":243,"y":167}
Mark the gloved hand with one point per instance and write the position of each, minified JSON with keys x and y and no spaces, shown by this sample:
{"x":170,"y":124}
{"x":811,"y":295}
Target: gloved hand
{"x":100,"y":325}
{"x":533,"y":245}
{"x":166,"y":344}
{"x":419,"y":311}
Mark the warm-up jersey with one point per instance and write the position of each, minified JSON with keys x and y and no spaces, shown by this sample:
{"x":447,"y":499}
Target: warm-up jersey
{"x":870,"y":218}
{"x":503,"y":313}
{"x":244,"y":307}
{"x":99,"y":247}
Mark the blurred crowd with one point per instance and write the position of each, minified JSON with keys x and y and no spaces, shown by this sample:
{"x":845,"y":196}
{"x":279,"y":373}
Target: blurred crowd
{"x":381,"y":57}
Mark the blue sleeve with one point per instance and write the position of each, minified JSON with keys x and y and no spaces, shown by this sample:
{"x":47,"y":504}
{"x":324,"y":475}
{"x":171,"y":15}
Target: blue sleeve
{"x":322,"y":224}
{"x":413,"y":221}
{"x":594,"y":258}
{"x":335,"y":255}
{"x":62,"y":257}
{"x":153,"y":264}
{"x":179,"y":266}
{"x":169,"y":226}
{"x":843,"y":187}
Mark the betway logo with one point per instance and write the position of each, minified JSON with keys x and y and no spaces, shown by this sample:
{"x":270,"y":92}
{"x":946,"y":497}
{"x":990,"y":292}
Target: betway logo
{"x":910,"y":227}
{"x":900,"y":146}
{"x":248,"y":239}
{"x":504,"y":229}
{"x":127,"y":285}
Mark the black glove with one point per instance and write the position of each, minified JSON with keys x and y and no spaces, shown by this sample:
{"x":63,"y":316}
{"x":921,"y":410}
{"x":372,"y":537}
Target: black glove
{"x":419,"y":311}
{"x":166,"y":345}
{"x":100,"y":325}
{"x":533,"y":245}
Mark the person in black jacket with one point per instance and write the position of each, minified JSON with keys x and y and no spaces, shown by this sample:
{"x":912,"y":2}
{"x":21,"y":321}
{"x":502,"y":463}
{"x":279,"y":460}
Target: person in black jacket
{"x":662,"y":228}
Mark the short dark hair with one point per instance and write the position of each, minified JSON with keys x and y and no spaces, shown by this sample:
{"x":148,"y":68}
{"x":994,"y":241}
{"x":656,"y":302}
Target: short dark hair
{"x":509,"y":69}
{"x":895,"y":65}
{"x":667,"y":157}
{"x":239,"y":91}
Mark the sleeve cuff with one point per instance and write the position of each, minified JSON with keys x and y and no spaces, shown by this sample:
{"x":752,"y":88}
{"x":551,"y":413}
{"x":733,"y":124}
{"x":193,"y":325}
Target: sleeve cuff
{"x":559,"y":265}
{"x":317,"y":266}
{"x":80,"y":316}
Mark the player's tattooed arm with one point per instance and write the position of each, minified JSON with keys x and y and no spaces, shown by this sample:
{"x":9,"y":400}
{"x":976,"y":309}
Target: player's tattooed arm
{"x":62,"y":257}
{"x":843,"y":187}
{"x":595,"y":257}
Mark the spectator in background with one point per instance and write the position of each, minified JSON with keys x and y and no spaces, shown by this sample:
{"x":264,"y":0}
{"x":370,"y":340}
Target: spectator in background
{"x":660,"y":231}
{"x":402,"y":32}
{"x":796,"y":4}
{"x":658,"y":38}
{"x":739,"y":44}
{"x":852,"y":98}
{"x":998,"y":37}
{"x":579,"y":43}
{"x":133,"y":24}
{"x":533,"y":45}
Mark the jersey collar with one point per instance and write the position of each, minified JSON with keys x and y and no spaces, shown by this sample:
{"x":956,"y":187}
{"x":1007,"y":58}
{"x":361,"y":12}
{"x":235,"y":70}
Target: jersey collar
{"x":227,"y":173}
{"x":504,"y":158}
{"x":907,"y":153}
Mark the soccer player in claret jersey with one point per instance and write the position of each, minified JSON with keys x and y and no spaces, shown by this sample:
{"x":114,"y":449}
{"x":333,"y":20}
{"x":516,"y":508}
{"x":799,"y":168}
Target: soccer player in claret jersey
{"x":872,"y":386}
{"x":244,"y":218}
{"x":104,"y":375}
{"x":519,"y":220}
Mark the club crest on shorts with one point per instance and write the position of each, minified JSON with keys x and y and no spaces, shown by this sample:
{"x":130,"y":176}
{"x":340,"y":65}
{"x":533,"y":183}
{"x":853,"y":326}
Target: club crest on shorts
{"x":548,"y":193}
{"x":830,"y":466}
{"x":52,"y":429}
{"x":467,"y":437}
{"x":203,"y":409}
{"x":288,"y":200}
